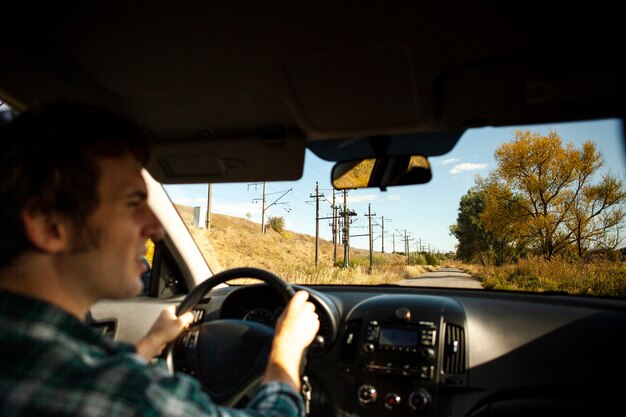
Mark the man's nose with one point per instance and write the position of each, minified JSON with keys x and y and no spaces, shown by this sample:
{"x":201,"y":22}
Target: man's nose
{"x":154,"y":229}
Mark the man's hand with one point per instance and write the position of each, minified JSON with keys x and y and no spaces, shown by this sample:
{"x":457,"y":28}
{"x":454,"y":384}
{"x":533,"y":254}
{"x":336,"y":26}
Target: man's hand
{"x":166,"y":327}
{"x":295,"y":330}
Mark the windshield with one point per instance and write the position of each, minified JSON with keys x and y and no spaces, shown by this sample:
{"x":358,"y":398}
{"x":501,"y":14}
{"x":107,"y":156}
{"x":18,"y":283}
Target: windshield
{"x":531,"y":208}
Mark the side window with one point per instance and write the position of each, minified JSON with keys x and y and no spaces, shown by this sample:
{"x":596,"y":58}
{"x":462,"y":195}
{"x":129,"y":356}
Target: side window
{"x":163,"y":279}
{"x":148,"y":260}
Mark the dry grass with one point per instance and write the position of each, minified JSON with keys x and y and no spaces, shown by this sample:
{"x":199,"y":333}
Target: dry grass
{"x":599,"y":278}
{"x":234,"y":242}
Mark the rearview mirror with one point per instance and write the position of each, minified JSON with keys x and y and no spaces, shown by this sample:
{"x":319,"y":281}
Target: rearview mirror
{"x":381,"y":172}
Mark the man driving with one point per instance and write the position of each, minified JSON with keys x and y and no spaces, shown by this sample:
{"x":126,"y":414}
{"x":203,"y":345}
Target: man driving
{"x":75,"y":220}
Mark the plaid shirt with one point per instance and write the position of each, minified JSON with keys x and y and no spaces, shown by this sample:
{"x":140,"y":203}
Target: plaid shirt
{"x":51,"y":364}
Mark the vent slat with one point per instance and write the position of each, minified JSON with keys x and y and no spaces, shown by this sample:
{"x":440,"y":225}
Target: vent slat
{"x":198,"y":315}
{"x":454,"y":353}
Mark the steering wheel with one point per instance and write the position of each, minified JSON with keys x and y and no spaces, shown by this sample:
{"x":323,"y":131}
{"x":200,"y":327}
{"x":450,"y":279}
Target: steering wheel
{"x":227,"y":356}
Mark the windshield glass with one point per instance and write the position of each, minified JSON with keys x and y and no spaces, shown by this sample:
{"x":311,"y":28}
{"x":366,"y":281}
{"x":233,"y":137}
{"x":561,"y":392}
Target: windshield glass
{"x":532,"y":208}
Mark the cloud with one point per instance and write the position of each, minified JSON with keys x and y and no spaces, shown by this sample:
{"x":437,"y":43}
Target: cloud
{"x":191,"y":202}
{"x":361,"y":198}
{"x":395,"y":197}
{"x":449,"y":161}
{"x":237,"y":210}
{"x":467,"y":166}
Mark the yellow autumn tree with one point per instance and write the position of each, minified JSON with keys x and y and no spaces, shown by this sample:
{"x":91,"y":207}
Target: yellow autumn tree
{"x":541,"y":193}
{"x":504,"y":217}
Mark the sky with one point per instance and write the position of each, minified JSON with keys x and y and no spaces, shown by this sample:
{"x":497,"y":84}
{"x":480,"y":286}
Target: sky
{"x":423,"y":212}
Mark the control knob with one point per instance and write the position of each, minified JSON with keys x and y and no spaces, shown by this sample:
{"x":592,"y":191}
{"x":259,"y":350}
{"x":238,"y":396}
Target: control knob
{"x":367,"y":394}
{"x":419,"y":399}
{"x":392,"y":400}
{"x":403,"y":314}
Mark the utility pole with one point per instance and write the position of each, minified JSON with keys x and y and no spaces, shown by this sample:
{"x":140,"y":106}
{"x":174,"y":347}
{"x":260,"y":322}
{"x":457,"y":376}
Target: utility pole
{"x":207,"y":223}
{"x":406,"y":247}
{"x":369,"y":215}
{"x":382,"y":233}
{"x":393,"y":239}
{"x":346,"y":231}
{"x":263,"y":211}
{"x":317,"y":197}
{"x":335,"y":224}
{"x":264,"y":208}
{"x":345,"y":215}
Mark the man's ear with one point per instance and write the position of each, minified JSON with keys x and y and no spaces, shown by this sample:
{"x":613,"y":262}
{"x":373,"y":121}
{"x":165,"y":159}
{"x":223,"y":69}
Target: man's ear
{"x":46,"y":231}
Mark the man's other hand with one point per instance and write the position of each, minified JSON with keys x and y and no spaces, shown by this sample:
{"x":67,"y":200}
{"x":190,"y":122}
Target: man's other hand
{"x":166,"y":327}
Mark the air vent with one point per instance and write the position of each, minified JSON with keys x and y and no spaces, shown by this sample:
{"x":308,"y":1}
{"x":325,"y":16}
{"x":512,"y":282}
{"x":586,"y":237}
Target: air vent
{"x":454,"y":350}
{"x":198,"y":315}
{"x":350,"y":341}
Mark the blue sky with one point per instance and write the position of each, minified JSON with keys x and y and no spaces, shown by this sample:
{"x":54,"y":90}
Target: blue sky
{"x":422,"y":211}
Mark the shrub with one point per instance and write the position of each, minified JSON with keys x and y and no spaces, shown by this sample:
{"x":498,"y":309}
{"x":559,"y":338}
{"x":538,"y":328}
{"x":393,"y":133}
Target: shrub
{"x":277,"y":223}
{"x":431,"y":259}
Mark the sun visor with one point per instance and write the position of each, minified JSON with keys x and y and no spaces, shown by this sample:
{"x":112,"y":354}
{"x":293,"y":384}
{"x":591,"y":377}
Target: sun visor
{"x":223,"y":160}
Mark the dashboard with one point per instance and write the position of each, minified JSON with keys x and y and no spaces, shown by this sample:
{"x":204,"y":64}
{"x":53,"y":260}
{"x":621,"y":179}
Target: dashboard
{"x":426,"y":352}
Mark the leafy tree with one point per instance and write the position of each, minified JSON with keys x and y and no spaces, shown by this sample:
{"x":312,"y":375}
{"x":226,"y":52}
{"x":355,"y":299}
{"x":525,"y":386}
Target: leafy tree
{"x":503,"y":221}
{"x":540,"y":195}
{"x":474,"y":239}
{"x":596,"y":212}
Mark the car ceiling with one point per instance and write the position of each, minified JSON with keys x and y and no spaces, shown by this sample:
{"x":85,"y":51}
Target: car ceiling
{"x":229,"y":88}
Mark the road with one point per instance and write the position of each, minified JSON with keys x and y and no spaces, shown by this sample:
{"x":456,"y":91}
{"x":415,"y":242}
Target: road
{"x":444,"y":277}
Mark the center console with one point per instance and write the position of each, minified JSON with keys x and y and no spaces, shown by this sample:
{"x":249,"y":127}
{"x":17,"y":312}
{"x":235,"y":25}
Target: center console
{"x":393,"y":354}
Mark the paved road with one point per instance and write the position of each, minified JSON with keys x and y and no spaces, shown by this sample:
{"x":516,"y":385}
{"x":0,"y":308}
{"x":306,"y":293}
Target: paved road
{"x":444,"y":277}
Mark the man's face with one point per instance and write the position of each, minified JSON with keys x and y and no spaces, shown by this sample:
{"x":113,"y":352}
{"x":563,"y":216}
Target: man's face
{"x":111,"y":263}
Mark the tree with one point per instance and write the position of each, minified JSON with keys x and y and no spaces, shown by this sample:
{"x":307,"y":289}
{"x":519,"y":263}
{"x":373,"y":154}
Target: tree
{"x":469,"y":230}
{"x":597,"y":212}
{"x":540,"y":194}
{"x":503,"y":220}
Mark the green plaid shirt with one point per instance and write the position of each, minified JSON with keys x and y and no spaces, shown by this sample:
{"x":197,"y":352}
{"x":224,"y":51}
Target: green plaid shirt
{"x":51,"y":364}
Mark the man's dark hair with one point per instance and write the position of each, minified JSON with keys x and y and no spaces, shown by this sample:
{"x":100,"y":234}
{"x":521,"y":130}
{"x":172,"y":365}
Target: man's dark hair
{"x":49,"y":163}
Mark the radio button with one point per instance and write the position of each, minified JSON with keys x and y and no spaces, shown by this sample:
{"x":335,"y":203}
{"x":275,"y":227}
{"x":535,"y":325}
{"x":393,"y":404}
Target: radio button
{"x":427,"y":372}
{"x":392,"y":400}
{"x":427,"y":337}
{"x":372,"y":332}
{"x":428,"y":352}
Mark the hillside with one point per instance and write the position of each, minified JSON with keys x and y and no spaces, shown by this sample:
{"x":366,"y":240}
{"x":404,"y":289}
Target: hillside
{"x":233,"y":242}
